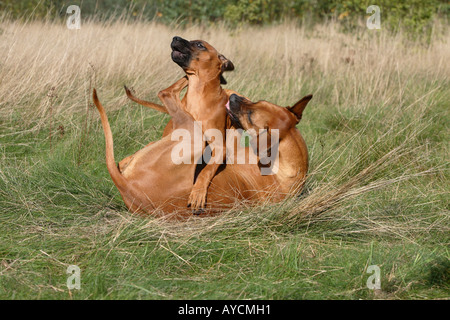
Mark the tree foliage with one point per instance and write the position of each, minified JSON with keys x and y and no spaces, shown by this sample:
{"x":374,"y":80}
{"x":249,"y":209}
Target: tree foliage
{"x":413,"y":15}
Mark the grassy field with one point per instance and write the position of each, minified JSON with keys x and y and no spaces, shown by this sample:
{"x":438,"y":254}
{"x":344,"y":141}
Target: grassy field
{"x":377,"y":193}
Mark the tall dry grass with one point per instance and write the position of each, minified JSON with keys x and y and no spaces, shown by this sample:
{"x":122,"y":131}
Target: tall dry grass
{"x":37,"y":57}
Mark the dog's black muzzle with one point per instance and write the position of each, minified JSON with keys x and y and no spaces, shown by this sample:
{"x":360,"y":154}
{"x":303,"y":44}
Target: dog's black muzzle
{"x":234,"y":109}
{"x":181,"y":51}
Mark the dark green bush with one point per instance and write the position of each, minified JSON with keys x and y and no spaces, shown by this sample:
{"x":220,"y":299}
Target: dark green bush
{"x":414,"y":16}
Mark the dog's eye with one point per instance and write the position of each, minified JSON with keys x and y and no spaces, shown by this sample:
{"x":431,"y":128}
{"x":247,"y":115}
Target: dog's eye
{"x":200,"y":45}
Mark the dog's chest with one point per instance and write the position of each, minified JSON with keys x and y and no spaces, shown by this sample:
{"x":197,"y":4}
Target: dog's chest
{"x":199,"y":110}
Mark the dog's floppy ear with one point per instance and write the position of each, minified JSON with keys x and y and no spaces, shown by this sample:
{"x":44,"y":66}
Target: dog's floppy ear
{"x":227,"y":65}
{"x":298,"y":108}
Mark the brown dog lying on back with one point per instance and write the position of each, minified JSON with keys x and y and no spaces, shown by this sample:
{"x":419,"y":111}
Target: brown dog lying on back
{"x":205,"y":101}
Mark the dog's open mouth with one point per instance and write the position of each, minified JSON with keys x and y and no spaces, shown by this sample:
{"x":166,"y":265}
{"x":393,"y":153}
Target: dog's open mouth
{"x":181,"y":55}
{"x":181,"y":52}
{"x":180,"y":48}
{"x":181,"y":58}
{"x":178,"y":55}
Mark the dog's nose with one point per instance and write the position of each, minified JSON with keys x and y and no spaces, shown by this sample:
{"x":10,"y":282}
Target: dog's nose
{"x":176,"y":38}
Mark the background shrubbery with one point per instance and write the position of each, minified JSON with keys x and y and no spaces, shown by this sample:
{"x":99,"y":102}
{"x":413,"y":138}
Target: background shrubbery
{"x":413,"y":15}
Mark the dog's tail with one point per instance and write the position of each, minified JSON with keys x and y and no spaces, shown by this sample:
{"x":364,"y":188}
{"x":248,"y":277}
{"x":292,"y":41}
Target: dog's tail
{"x":144,"y":103}
{"x":133,"y":198}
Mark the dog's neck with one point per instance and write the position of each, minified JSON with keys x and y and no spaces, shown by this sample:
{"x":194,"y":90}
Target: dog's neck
{"x":204,"y":92}
{"x":293,"y":161}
